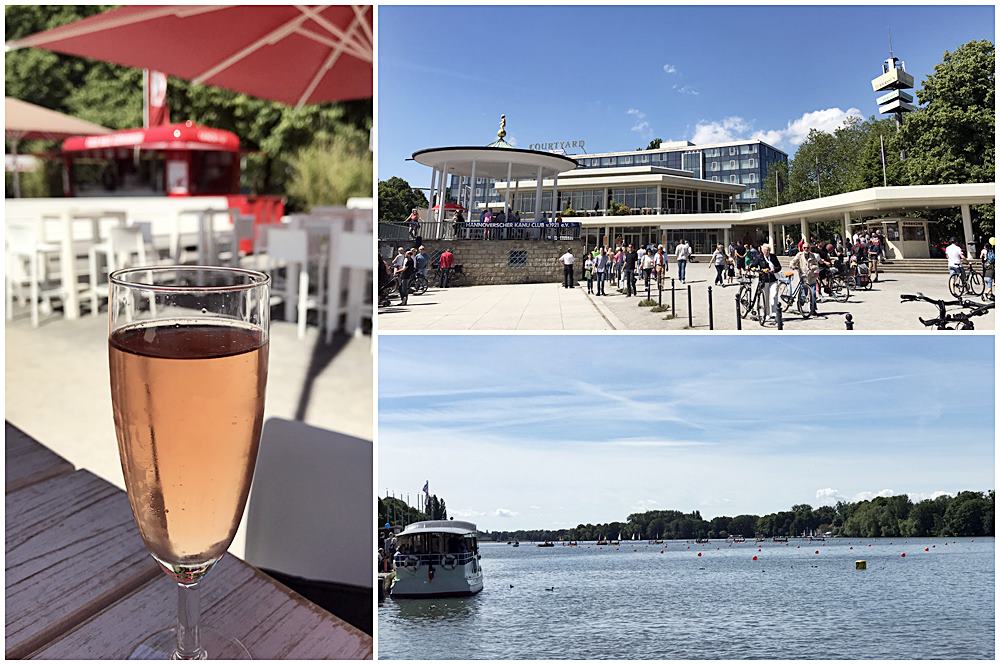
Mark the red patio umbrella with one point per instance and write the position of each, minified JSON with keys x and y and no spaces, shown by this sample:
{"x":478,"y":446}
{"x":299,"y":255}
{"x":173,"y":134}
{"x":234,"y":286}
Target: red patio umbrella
{"x":294,"y":54}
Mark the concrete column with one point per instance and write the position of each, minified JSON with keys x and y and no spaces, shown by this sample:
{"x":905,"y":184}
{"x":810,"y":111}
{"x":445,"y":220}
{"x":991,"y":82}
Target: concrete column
{"x":659,"y":199}
{"x":725,"y":237}
{"x":443,"y":196}
{"x":847,"y":229}
{"x":970,"y":239}
{"x":770,"y":237}
{"x":555,"y":195}
{"x":430,"y":195}
{"x":506,"y":196}
{"x":803,"y":227}
{"x":538,"y":194}
{"x":605,"y":204}
{"x":697,"y":196}
{"x":472,"y":192}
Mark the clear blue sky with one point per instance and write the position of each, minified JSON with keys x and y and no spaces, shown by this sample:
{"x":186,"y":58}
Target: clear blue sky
{"x":618,"y":76}
{"x":551,"y":431}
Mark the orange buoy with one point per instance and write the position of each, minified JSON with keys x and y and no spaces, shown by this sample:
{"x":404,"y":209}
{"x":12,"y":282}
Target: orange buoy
{"x":927,"y":549}
{"x":699,"y":553}
{"x":902,"y":554}
{"x":754,"y":557}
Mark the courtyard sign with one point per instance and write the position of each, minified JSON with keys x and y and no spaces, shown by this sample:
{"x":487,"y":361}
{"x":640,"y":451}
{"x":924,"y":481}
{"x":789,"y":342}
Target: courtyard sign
{"x":558,"y":145}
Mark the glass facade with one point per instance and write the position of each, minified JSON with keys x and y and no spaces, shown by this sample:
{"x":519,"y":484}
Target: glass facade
{"x":744,"y":163}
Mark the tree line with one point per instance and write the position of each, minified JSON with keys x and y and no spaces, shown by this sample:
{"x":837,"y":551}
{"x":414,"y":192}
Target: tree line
{"x":397,"y":513}
{"x":316,"y":154}
{"x":968,"y":513}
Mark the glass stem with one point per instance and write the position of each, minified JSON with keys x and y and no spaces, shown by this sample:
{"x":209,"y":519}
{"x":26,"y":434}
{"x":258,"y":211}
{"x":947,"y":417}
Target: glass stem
{"x":188,"y":615}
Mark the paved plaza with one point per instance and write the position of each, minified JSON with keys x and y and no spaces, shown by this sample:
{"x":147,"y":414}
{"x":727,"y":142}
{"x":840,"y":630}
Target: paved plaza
{"x":498,"y":307}
{"x":549,"y":306}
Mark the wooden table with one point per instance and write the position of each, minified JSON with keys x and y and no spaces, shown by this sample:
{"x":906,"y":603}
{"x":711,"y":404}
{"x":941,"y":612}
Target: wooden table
{"x":80,"y":584}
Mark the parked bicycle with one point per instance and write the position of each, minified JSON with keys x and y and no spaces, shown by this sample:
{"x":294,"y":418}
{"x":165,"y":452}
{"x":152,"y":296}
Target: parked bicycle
{"x":966,"y":280}
{"x":458,"y":276}
{"x":953,"y":320}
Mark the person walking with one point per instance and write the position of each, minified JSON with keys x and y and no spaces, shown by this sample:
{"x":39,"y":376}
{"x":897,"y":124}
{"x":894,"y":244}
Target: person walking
{"x":988,"y":256}
{"x":601,"y":268}
{"x":406,"y":273}
{"x":421,"y":262}
{"x":741,"y":258}
{"x":567,"y":260}
{"x":769,"y":267}
{"x":631,"y":258}
{"x":806,"y":267}
{"x":955,"y":256}
{"x":683,"y":251}
{"x":397,"y":261}
{"x":647,"y":266}
{"x":445,"y":264}
{"x":588,"y":273}
{"x":719,"y":261}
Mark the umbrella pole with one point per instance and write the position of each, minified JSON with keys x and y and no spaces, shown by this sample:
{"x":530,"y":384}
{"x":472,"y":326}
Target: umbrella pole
{"x":17,"y":175}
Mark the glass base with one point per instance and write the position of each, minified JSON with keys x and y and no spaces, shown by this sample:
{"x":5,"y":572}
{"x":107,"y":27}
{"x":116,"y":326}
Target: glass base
{"x":215,"y":645}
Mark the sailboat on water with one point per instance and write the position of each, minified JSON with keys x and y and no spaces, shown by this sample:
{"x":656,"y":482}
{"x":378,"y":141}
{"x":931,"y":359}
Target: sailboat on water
{"x":601,"y":540}
{"x":619,"y":541}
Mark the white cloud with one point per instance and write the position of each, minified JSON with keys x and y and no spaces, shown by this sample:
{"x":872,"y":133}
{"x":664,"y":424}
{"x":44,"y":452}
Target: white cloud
{"x":669,"y":69}
{"x":868,"y":496}
{"x":686,"y":90}
{"x":735,"y":128}
{"x":641,"y":126}
{"x":644,"y":442}
{"x":645,"y":504}
{"x":828,"y":495}
{"x":503,"y":512}
{"x":467,"y":513}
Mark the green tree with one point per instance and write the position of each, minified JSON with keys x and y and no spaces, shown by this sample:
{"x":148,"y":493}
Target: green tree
{"x":654,"y":144}
{"x":331,"y":171}
{"x":964,"y":515}
{"x":396,"y":199}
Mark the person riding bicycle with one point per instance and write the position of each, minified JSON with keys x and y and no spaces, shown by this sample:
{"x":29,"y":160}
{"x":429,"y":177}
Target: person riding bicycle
{"x":955,"y":257}
{"x":825,"y":259}
{"x":806,"y":267}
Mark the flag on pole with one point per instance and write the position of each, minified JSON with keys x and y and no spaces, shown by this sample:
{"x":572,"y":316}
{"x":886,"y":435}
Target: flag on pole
{"x":426,"y":488}
{"x":156,"y":111}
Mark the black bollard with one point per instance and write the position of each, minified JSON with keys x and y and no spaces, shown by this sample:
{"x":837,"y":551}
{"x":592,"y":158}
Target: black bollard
{"x":659,"y":287}
{"x":690,"y":313}
{"x":739,"y":319}
{"x":778,"y":318}
{"x":673,"y":303}
{"x":711,"y":314}
{"x":648,"y":287}
{"x":849,"y":321}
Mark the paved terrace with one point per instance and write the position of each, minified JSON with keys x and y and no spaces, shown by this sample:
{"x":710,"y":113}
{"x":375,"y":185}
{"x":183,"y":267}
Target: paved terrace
{"x":549,"y":306}
{"x":58,"y":387}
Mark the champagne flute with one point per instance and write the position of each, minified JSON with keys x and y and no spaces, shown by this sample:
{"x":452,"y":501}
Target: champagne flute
{"x":188,"y":353}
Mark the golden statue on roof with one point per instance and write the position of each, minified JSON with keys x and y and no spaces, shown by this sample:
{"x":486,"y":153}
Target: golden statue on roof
{"x":503,"y":127}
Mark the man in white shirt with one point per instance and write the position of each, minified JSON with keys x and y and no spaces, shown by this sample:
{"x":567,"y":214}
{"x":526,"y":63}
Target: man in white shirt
{"x":682,"y":254}
{"x":567,"y":260}
{"x":400,"y":258}
{"x":955,"y":257}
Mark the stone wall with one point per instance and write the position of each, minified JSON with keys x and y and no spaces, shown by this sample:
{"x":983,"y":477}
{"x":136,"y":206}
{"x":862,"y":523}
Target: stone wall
{"x":488,"y":261}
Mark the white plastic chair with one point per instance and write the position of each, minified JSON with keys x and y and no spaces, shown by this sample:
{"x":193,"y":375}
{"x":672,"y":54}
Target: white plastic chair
{"x":27,"y":255}
{"x":244,"y":228}
{"x":118,"y":249}
{"x":291,"y":247}
{"x":349,"y":257}
{"x":310,"y":508}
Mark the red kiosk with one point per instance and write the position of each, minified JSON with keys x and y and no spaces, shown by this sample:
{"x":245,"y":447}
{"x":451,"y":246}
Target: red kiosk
{"x":177,"y":160}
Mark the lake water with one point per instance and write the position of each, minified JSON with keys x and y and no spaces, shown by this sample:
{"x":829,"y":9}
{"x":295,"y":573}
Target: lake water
{"x":649,"y":601}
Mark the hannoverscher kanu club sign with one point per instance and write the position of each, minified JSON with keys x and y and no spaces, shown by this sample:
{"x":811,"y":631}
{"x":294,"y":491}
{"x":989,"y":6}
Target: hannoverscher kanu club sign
{"x":558,"y":145}
{"x":518,"y":225}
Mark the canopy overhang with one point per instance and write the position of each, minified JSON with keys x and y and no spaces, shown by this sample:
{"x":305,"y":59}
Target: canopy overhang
{"x":181,"y":136}
{"x":23,"y":120}
{"x":494,"y":163}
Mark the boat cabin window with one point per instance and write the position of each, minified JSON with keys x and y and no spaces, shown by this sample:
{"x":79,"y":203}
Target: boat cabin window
{"x":437,"y":543}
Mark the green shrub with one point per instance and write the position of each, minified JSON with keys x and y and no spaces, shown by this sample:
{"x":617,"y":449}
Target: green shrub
{"x":331,"y":171}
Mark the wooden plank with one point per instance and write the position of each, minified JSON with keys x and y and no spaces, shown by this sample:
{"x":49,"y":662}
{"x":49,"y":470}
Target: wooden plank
{"x":28,"y":461}
{"x":71,"y":549}
{"x":238,"y":600}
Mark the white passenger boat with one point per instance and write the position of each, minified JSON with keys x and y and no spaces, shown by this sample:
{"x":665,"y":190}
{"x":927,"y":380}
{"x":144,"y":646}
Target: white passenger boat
{"x":437,"y":558}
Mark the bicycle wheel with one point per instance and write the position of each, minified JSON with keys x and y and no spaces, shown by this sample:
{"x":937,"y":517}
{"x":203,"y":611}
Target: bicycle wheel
{"x":419,"y":285}
{"x":956,"y":286}
{"x":784,"y":296}
{"x":760,"y":306}
{"x":841,"y":291}
{"x":976,"y":285}
{"x":746,"y":301}
{"x":802,"y":301}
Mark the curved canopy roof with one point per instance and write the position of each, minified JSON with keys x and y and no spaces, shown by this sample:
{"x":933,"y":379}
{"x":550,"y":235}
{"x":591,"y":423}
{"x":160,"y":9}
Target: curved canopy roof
{"x":492,"y":162}
{"x":440,"y":526}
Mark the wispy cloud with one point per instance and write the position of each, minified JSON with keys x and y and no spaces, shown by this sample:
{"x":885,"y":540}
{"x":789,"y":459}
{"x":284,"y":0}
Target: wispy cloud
{"x":736,"y":128}
{"x":505,"y":513}
{"x":641,"y":126}
{"x":669,"y":69}
{"x":686,"y":90}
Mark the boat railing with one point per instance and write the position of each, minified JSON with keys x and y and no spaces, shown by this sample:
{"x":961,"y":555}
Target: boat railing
{"x":445,"y":560}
